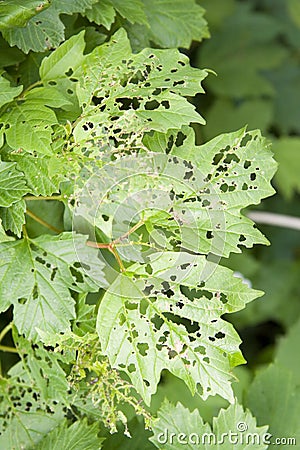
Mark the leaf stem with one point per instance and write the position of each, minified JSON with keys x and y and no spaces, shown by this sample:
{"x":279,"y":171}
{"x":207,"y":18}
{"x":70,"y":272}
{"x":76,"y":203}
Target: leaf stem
{"x":40,"y":197}
{"x":114,"y":251}
{"x":6,"y":330}
{"x":5,"y":348}
{"x":111,"y":246}
{"x":132,"y":230}
{"x":42,"y":222}
{"x":33,"y":85}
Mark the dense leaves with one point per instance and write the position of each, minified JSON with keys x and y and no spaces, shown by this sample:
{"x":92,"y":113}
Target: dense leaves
{"x":120,"y":212}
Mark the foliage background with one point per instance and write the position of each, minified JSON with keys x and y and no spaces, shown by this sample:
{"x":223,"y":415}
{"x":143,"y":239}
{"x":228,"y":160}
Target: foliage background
{"x":254,"y":50}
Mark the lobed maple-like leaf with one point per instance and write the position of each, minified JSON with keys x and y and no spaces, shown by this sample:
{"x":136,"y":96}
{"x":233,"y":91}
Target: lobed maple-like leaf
{"x":139,"y":330}
{"x":193,"y":195}
{"x":37,"y":275}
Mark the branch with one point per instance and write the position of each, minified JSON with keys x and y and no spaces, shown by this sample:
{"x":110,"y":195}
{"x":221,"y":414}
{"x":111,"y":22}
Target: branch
{"x":278,"y":220}
{"x":42,"y":222}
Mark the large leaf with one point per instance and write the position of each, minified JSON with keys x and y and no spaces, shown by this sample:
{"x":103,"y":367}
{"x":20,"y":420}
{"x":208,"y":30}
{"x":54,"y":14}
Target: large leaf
{"x":234,"y":428}
{"x":148,"y":88}
{"x":36,"y":276}
{"x":139,"y":330}
{"x":193,"y":196}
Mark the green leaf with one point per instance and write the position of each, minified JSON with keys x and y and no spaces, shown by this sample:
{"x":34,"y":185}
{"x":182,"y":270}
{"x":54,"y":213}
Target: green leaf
{"x":9,"y":56}
{"x":172,"y":24}
{"x":274,"y":398}
{"x":31,"y":397}
{"x":193,"y":195}
{"x":249,"y":52}
{"x":148,"y":93}
{"x":234,"y":168}
{"x":43,"y":270}
{"x":225,"y":115}
{"x":78,"y":436}
{"x":285,"y":80}
{"x":286,"y":350}
{"x":46,"y":30}
{"x":287,"y":153}
{"x":134,"y":11}
{"x":13,"y":13}
{"x":68,"y":57}
{"x":3,"y":235}
{"x":39,"y":177}
{"x":29,"y":126}
{"x":50,"y":96}
{"x":7,"y":92}
{"x":177,"y":426}
{"x":12,"y":184}
{"x":139,"y":331}
{"x":13,"y":217}
{"x":102,"y":13}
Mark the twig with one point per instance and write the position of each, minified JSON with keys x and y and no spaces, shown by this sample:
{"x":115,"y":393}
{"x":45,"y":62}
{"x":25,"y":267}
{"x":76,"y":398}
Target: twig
{"x":31,"y":197}
{"x":278,"y":220}
{"x":5,"y":330}
{"x":4,"y":348}
{"x":42,"y":222}
{"x":111,"y":246}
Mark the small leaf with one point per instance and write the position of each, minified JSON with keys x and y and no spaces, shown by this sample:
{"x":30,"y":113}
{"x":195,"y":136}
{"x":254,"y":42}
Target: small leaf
{"x":13,"y":13}
{"x":13,"y":217}
{"x":29,"y":126}
{"x":7,"y":92}
{"x":133,"y":11}
{"x":101,"y":13}
{"x":66,"y":58}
